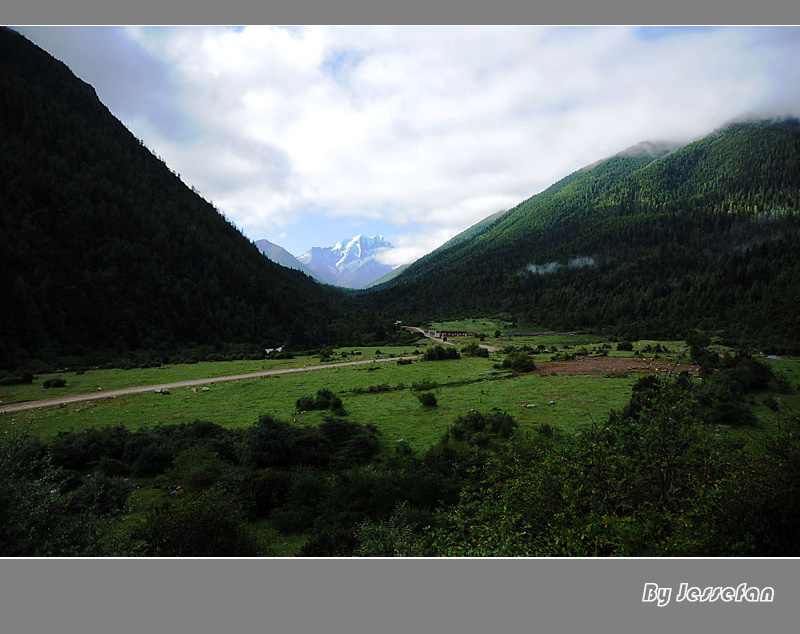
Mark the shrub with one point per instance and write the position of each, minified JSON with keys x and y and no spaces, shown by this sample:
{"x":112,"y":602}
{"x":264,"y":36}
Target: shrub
{"x":305,"y":403}
{"x":385,"y":538}
{"x":262,"y":490}
{"x":267,"y":443}
{"x":546,"y":430}
{"x":427,"y":399}
{"x":23,"y":379}
{"x":209,"y":524}
{"x":625,"y":346}
{"x":747,"y":372}
{"x":733,"y":413}
{"x":38,"y":518}
{"x":113,"y":467}
{"x":478,"y":428}
{"x":197,"y":469}
{"x":440,"y":353}
{"x":352,"y":443}
{"x":474,"y":350}
{"x":325,"y":400}
{"x":58,"y":382}
{"x":519,"y":362}
{"x":101,"y":493}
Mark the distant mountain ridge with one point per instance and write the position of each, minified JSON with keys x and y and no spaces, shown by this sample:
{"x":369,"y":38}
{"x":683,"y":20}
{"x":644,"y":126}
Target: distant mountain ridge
{"x":281,"y":256}
{"x":352,"y":263}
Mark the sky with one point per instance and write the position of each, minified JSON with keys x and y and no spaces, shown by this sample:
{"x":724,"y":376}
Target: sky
{"x":309,"y":135}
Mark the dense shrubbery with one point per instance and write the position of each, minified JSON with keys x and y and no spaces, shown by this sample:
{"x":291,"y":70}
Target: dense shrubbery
{"x":473,"y":349}
{"x":47,"y":512}
{"x":24,"y":378}
{"x":440,"y":353}
{"x":658,"y":478}
{"x":519,"y":362}
{"x":727,"y":379}
{"x":146,"y":452}
{"x":654,"y":480}
{"x":478,"y":429}
{"x":209,"y":524}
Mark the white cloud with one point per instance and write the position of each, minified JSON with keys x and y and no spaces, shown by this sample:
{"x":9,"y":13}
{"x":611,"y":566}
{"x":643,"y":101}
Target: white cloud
{"x":431,"y":129}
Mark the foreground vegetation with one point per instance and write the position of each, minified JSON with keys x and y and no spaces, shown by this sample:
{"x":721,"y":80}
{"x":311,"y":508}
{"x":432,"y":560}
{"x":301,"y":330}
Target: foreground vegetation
{"x":352,"y":461}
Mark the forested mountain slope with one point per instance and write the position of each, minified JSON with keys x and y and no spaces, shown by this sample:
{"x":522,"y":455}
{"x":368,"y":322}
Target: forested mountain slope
{"x":104,"y":252}
{"x":650,"y":242}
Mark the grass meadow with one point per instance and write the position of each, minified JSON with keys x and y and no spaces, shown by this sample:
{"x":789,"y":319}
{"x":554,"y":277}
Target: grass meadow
{"x":566,"y":402}
{"x":460,"y":385}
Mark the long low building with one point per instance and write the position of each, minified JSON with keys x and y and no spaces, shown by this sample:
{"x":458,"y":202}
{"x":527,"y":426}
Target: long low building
{"x":452,"y":333}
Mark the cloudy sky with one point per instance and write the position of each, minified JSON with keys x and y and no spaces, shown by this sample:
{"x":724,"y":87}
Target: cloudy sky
{"x":308,"y":135}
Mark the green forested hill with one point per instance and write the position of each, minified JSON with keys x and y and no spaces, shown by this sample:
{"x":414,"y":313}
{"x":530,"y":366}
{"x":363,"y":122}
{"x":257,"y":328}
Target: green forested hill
{"x":646,"y":243}
{"x":105,"y":252}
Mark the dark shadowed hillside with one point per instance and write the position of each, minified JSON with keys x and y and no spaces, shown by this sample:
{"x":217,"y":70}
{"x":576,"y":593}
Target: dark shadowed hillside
{"x":646,"y":243}
{"x":105,"y":253}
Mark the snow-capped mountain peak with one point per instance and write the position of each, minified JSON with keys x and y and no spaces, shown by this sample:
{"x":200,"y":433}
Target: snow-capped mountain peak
{"x":353,"y":262}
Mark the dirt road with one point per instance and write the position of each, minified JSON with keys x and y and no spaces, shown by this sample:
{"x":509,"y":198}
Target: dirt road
{"x":99,"y":396}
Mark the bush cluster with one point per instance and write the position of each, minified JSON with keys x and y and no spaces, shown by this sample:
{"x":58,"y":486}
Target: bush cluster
{"x":519,"y":362}
{"x":472,"y":349}
{"x":479,"y":429}
{"x":325,"y":400}
{"x":427,"y":399}
{"x":440,"y":353}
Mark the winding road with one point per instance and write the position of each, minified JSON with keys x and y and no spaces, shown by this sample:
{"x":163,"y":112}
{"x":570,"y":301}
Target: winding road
{"x":101,"y":395}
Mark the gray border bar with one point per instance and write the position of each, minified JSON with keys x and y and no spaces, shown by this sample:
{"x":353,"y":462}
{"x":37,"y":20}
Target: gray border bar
{"x":443,"y":596}
{"x":408,"y":12}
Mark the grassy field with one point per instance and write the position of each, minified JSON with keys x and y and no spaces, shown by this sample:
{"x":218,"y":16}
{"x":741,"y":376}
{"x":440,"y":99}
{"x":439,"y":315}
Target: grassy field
{"x":462,"y":385}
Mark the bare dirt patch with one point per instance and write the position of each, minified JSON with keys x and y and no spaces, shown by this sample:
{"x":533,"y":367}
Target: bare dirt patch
{"x":612,"y":365}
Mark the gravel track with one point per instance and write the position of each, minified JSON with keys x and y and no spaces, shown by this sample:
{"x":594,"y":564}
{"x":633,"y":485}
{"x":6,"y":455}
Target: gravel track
{"x":101,"y":395}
